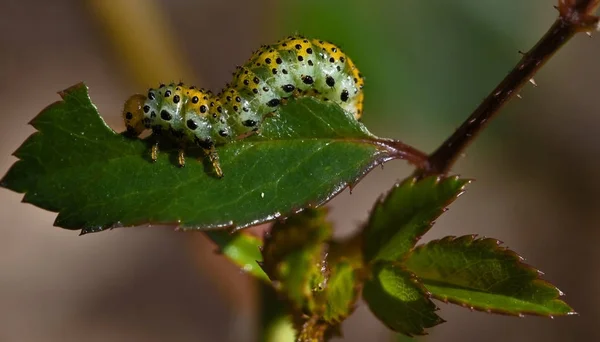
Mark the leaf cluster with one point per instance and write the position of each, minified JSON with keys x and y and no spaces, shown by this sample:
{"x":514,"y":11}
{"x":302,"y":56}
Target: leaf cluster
{"x":98,"y":179}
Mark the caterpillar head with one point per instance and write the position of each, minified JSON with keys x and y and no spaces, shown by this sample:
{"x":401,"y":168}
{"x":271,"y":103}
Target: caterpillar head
{"x":133,"y":114}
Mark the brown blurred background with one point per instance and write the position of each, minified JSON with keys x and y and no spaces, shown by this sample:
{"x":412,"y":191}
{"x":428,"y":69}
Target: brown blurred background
{"x":428,"y":64}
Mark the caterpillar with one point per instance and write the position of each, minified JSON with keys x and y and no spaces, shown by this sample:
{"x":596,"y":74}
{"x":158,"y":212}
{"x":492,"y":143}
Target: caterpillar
{"x":294,"y":66}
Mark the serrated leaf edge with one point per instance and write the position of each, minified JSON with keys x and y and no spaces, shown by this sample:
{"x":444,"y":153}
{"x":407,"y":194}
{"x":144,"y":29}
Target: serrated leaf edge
{"x":395,"y":150}
{"x":473,"y":238}
{"x":413,"y":182}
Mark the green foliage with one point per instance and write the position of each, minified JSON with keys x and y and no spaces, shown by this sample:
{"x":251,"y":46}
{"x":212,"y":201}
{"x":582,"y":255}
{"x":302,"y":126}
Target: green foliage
{"x":473,"y":273}
{"x":294,"y":257}
{"x":397,"y":278}
{"x":397,"y":222}
{"x":321,"y":290}
{"x":407,"y":212}
{"x":340,"y":293}
{"x":242,"y":249}
{"x":479,"y":274}
{"x":398,"y":299}
{"x":98,"y":179}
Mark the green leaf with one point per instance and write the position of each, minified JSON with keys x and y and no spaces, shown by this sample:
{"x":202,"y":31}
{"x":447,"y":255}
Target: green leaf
{"x":482,"y":275}
{"x":396,"y":297}
{"x":407,"y":212}
{"x":242,"y":249}
{"x":322,"y":290}
{"x":340,"y":294}
{"x":97,"y":179}
{"x":294,"y":257}
{"x":332,"y":305}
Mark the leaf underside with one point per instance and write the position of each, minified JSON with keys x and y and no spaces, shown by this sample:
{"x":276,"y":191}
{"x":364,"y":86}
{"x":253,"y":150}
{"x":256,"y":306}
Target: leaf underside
{"x":482,"y":275}
{"x":242,"y":249}
{"x":396,"y":297}
{"x":97,"y":179}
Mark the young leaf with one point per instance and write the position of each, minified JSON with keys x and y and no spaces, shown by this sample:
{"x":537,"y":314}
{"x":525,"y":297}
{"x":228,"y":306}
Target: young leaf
{"x":242,"y":249}
{"x":340,"y":295}
{"x":322,"y":290}
{"x":479,"y":274}
{"x":97,"y":179}
{"x":405,"y":214}
{"x":333,"y":304}
{"x":294,"y":257}
{"x":396,"y":297}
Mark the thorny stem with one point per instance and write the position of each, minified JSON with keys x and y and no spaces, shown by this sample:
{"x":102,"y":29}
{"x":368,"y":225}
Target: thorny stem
{"x":574,"y":16}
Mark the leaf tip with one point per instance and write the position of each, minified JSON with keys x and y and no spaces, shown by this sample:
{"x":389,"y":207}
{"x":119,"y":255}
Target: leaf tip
{"x":76,"y":87}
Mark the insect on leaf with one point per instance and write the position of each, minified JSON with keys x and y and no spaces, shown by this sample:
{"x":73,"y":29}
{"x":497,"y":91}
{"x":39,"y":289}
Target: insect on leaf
{"x":96,"y":178}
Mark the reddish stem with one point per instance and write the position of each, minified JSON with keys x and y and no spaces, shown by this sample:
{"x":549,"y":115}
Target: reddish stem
{"x":574,"y":16}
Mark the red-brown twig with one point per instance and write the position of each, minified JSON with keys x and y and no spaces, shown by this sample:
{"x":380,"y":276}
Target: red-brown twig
{"x":574,"y":16}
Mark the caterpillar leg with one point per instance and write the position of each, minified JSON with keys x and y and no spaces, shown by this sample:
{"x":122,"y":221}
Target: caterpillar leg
{"x":154,"y":152}
{"x":214,"y":160}
{"x":181,"y":158}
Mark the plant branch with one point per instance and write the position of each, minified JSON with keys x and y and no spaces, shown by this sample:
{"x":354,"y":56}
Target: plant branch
{"x":574,"y":16}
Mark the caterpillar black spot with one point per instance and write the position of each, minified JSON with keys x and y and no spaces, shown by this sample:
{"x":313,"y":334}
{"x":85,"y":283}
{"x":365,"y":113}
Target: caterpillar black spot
{"x":294,"y":66}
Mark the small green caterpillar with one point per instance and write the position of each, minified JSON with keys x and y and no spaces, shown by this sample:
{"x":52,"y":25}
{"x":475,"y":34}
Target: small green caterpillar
{"x":295,"y":66}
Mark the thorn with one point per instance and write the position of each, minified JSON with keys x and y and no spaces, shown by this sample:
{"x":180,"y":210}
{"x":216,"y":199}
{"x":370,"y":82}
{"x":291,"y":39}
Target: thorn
{"x":589,"y":34}
{"x":521,"y":53}
{"x":519,"y":96}
{"x":532,"y":81}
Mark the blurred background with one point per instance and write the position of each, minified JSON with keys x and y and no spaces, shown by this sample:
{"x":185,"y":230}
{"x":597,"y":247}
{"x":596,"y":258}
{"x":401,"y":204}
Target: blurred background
{"x":427,"y":64}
